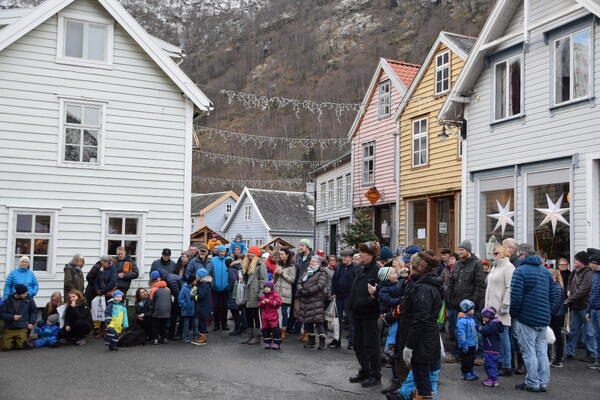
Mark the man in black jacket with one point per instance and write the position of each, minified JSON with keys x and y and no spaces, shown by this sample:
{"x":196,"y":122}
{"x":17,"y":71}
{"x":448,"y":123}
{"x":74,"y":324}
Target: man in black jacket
{"x":19,"y":314}
{"x":341,"y":284}
{"x":364,"y":308}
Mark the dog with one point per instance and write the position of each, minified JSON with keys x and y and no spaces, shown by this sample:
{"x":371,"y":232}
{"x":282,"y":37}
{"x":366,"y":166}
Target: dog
{"x":132,"y":337}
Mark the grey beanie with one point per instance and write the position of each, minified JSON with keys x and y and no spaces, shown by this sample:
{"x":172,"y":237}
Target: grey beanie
{"x":465,"y":244}
{"x":347,"y":252}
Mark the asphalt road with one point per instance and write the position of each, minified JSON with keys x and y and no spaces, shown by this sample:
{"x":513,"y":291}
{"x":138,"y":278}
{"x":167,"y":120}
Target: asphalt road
{"x":225,"y":369}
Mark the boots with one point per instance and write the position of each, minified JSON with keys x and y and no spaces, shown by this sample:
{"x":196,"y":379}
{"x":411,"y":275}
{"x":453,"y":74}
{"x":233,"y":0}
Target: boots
{"x":276,"y":344}
{"x":101,"y":331}
{"x":267,"y":342}
{"x":283,"y":333}
{"x":311,"y":342}
{"x":303,"y":337}
{"x":392,"y":387}
{"x":322,"y":342}
{"x":250,"y":336}
{"x":255,"y":339}
{"x":419,"y":397}
{"x":201,"y":341}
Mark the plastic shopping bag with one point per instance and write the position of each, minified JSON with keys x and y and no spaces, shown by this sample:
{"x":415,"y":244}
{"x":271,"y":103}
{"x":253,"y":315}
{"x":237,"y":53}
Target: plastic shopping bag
{"x":331,"y":312}
{"x":550,"y":338}
{"x":442,"y":315}
{"x":61,"y":315}
{"x":98,"y":308}
{"x":240,"y":296}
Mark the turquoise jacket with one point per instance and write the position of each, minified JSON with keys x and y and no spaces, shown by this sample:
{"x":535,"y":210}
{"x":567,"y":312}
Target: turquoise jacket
{"x":22,"y":276}
{"x":466,"y":335}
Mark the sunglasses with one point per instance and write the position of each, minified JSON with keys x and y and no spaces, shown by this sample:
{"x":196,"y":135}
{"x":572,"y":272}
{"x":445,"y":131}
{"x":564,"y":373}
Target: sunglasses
{"x":495,"y":253}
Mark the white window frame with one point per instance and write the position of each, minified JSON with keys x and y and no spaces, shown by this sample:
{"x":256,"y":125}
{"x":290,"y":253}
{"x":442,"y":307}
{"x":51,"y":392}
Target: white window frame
{"x":330,"y":194}
{"x":323,"y":190}
{"x":63,"y":101}
{"x":591,"y":67}
{"x":87,"y":19}
{"x":441,"y":67}
{"x":384,"y":91}
{"x":339,"y":191}
{"x":228,"y":208}
{"x":141,"y":235}
{"x":419,"y":136}
{"x":259,"y":242}
{"x":365,"y":160}
{"x":13,"y":211}
{"x":348,"y":191}
{"x":507,"y":94}
{"x":248,"y":212}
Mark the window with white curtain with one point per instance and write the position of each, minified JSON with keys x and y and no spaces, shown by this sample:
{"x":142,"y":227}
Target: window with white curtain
{"x":508,"y":76}
{"x":419,"y":142}
{"x":573,"y":66}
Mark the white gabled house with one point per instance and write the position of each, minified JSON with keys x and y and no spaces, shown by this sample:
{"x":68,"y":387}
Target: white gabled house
{"x":95,"y":138}
{"x":528,"y":92}
{"x":212,"y":209}
{"x":262,"y":215}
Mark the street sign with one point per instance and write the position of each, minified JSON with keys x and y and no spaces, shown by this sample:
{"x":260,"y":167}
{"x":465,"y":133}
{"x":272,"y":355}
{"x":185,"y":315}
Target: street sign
{"x":373,"y":195}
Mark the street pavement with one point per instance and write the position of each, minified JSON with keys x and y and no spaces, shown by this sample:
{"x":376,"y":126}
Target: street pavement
{"x":225,"y":369}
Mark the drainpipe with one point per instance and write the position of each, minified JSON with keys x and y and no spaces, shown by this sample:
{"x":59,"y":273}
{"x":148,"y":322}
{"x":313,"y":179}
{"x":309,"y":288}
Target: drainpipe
{"x":525,"y":24}
{"x":352,"y":181}
{"x":397,"y":160}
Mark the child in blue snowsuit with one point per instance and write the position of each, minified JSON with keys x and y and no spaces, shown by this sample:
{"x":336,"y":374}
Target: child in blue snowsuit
{"x":47,"y":332}
{"x":389,"y":294}
{"x":466,"y":336}
{"x":491,"y":330}
{"x":239,"y":243}
{"x":188,"y":308}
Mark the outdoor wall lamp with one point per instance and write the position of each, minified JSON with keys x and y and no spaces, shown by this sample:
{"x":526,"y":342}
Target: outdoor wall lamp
{"x":447,"y":127}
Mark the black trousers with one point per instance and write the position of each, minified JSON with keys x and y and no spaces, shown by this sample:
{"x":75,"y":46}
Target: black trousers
{"x":160,"y":327}
{"x":79,"y":329}
{"x":253,"y":317}
{"x":175,"y":316}
{"x":556,"y":323}
{"x":146,"y":325}
{"x":467,"y":360}
{"x":237,"y":319}
{"x":219,"y":300}
{"x":309,"y":328}
{"x":421,"y":377}
{"x":275,"y":331}
{"x":366,"y":347}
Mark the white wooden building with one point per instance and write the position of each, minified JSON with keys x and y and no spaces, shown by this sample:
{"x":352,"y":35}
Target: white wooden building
{"x":95,"y":139}
{"x":262,"y":215}
{"x":212,"y":209}
{"x":531,"y":163}
{"x":334,"y":203}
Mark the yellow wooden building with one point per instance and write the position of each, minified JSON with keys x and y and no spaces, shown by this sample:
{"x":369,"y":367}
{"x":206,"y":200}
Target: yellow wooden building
{"x":429,"y":178}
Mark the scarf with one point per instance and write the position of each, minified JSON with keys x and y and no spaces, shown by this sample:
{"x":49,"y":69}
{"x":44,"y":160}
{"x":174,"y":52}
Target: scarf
{"x":75,"y":267}
{"x":309,"y":272}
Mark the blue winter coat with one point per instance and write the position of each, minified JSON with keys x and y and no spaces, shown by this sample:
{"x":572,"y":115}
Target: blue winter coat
{"x":389,"y":295}
{"x":242,"y":246}
{"x":47,"y":335}
{"x":531,"y":293}
{"x":491,"y":336}
{"x":185,"y":301}
{"x":466,"y":335}
{"x":25,"y":307}
{"x":219,"y":274}
{"x":233,"y":273}
{"x":203,"y":308}
{"x":594,"y":303}
{"x":558,"y":300}
{"x":106,"y":280}
{"x":21,"y":276}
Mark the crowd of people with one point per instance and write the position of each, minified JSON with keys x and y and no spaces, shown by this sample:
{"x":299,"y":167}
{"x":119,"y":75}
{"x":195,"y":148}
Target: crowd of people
{"x":503,"y":313}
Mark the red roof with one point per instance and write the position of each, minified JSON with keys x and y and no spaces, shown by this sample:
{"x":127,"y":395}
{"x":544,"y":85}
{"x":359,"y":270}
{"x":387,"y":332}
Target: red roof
{"x":405,"y":71}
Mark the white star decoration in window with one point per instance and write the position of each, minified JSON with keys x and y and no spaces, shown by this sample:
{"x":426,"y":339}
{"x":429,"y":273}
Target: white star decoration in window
{"x":554,"y":214}
{"x":504,"y":216}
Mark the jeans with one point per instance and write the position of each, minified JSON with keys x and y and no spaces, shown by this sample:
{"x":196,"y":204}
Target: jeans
{"x":189,"y":322}
{"x":408,"y":387}
{"x":535,"y":354}
{"x":391,"y":337}
{"x":285,"y":315}
{"x":202,"y":328}
{"x":343,"y":307}
{"x":580,"y":328}
{"x":452,"y":317}
{"x":595,"y":323}
{"x":506,"y":349}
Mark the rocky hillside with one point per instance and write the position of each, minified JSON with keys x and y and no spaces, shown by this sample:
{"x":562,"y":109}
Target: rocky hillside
{"x":322,"y":50}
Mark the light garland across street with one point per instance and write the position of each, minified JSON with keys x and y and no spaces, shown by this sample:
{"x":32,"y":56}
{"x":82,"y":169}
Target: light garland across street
{"x":270,"y":141}
{"x":262,"y":162}
{"x":270,"y":183}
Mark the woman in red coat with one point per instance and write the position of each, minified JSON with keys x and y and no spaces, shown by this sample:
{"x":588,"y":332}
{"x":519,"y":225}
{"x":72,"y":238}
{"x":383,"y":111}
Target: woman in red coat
{"x":269,"y":304}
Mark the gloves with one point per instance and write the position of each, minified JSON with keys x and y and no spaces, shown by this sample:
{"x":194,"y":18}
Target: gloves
{"x":302,"y":292}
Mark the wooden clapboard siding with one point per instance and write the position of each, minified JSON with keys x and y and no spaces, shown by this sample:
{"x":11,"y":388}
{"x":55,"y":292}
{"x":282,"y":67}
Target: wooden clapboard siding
{"x":381,"y":131}
{"x":144,"y":151}
{"x":443,"y":171}
{"x":541,"y":135}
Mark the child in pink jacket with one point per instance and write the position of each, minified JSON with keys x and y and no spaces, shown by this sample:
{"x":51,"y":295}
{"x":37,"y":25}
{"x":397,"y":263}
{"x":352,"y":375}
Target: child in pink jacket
{"x":269,"y":303}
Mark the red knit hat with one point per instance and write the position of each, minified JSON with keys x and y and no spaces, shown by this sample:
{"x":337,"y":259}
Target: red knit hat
{"x":255,"y":250}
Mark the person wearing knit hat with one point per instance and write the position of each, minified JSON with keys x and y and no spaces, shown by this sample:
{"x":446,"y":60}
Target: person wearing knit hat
{"x":255,"y":274}
{"x":306,"y":242}
{"x":408,"y":253}
{"x":116,"y":320}
{"x":155,"y":275}
{"x":202,"y":305}
{"x":365,"y":311}
{"x":386,"y":256}
{"x":466,"y":337}
{"x":238,"y":242}
{"x":15,"y":333}
{"x":384,"y":273}
{"x":415,"y":261}
{"x":579,"y":289}
{"x":269,"y":304}
{"x":466,"y":245}
{"x":20,"y":289}
{"x":492,"y":347}
{"x":594,"y":302}
{"x":255,"y":250}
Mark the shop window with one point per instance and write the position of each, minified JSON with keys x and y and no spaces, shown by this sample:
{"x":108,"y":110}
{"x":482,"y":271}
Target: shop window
{"x":417,"y":223}
{"x":549,"y":217}
{"x":498,"y":214}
